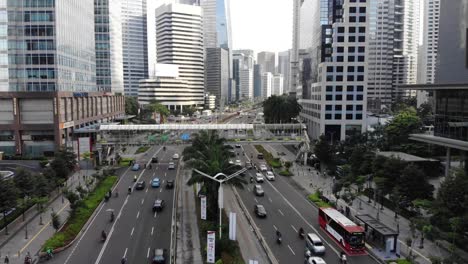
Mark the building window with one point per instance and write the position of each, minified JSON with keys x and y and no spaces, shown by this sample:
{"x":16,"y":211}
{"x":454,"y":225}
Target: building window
{"x":338,"y":97}
{"x":360,"y":88}
{"x":328,"y":107}
{"x":340,"y":29}
{"x":352,"y":19}
{"x":350,"y":68}
{"x":352,"y":29}
{"x":349,"y":97}
{"x":361,"y":58}
{"x":359,"y":116}
{"x":352,"y":10}
{"x":349,"y":107}
{"x":339,"y":58}
{"x":329,"y":88}
{"x":351,"y":39}
{"x":329,"y":68}
{"x":360,"y":68}
{"x":328,"y":116}
{"x":340,"y":49}
{"x":351,"y":49}
{"x":329,"y":78}
{"x":361,"y":49}
{"x":362,"y":9}
{"x":360,"y":78}
{"x":337,"y":116}
{"x":362,"y":19}
{"x":362,"y":29}
{"x":351,"y":58}
{"x":340,"y":39}
{"x":362,"y":39}
{"x":350,"y":88}
{"x":339,"y":88}
{"x":339,"y":69}
{"x":358,"y":107}
{"x":339,"y":78}
{"x":359,"y":97}
{"x":350,"y":78}
{"x":349,"y":116}
{"x":329,"y":97}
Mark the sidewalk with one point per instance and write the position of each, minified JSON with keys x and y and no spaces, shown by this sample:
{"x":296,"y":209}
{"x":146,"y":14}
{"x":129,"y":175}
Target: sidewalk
{"x":30,"y":235}
{"x":312,"y":180}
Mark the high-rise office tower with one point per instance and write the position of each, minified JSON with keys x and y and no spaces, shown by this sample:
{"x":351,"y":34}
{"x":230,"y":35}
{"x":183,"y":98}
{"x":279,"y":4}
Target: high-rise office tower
{"x":180,"y":42}
{"x":267,"y":60}
{"x":134,"y":44}
{"x":284,"y":66}
{"x":108,"y":32}
{"x":393,"y":56}
{"x":243,"y":74}
{"x":217,"y":76}
{"x":48,"y":77}
{"x":257,"y":81}
{"x":267,"y":84}
{"x":277,"y":84}
{"x":428,"y":49}
{"x":333,"y":96}
{"x":294,"y":56}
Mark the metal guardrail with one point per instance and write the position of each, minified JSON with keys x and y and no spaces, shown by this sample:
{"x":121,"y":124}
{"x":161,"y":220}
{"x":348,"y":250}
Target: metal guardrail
{"x":172,"y":258}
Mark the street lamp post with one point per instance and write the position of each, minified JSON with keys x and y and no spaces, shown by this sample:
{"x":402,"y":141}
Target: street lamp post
{"x":225,"y":178}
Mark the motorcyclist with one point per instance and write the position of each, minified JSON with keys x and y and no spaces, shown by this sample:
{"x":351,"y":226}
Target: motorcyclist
{"x":343,"y":258}
{"x":129,"y":189}
{"x":134,"y":178}
{"x":124,"y":260}
{"x":103,"y":235}
{"x":278,"y":236}
{"x":112,"y":217}
{"x":301,"y":232}
{"x":164,"y":148}
{"x":251,"y":178}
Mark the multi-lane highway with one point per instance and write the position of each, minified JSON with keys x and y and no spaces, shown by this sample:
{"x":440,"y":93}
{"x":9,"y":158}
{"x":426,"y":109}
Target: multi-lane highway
{"x":136,"y":230}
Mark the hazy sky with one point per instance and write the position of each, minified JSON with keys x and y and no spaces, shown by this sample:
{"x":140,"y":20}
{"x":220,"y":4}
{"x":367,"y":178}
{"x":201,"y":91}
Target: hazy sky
{"x":262,"y":25}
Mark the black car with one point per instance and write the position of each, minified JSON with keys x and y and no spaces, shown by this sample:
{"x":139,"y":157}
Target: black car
{"x":158,"y":205}
{"x":260,"y":210}
{"x":170,"y":184}
{"x":248,"y":165}
{"x":154,"y":160}
{"x":140,"y":185}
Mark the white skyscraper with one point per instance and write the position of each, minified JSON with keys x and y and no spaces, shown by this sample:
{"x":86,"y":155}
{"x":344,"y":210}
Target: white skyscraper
{"x":294,"y":82}
{"x":134,"y":44}
{"x":278,"y":88}
{"x":180,"y":42}
{"x":429,"y":47}
{"x":267,"y":84}
{"x":243,"y":67}
{"x":284,"y":65}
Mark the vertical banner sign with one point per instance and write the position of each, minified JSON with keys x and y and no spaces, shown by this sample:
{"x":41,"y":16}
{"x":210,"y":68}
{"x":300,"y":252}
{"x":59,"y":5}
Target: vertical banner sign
{"x":232,"y":226}
{"x":210,"y":247}
{"x":203,"y":207}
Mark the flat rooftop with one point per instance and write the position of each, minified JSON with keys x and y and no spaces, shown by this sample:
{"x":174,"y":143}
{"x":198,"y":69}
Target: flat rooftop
{"x":403,"y":156}
{"x":376,"y":225}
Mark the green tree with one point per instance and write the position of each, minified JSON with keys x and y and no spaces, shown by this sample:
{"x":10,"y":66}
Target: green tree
{"x":59,"y":165}
{"x":190,"y":110}
{"x":387,"y":174}
{"x":397,"y":131}
{"x":209,"y":154}
{"x":42,"y":187}
{"x":155,"y":107}
{"x":72,"y":197}
{"x":41,"y":207}
{"x":424,"y":112}
{"x":325,"y":152}
{"x":281,"y":109}
{"x":8,"y":199}
{"x":68,"y":156}
{"x":24,"y":182}
{"x":413,"y":185}
{"x":131,"y":105}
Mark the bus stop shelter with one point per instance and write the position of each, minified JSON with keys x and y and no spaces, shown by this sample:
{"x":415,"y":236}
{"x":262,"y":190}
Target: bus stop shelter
{"x":380,"y":236}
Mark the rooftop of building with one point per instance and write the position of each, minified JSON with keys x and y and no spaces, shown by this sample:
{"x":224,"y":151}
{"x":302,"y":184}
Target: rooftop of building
{"x":438,"y":86}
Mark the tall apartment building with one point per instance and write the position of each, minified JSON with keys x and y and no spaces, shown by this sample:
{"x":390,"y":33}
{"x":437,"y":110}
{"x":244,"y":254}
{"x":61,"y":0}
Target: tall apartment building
{"x":244,"y":74}
{"x":48,"y":92}
{"x":267,"y":84}
{"x":428,"y":49}
{"x":134,"y":44}
{"x":217,"y":75}
{"x":267,"y":60}
{"x":257,"y":81}
{"x":180,"y":42}
{"x":335,"y":35}
{"x":277,"y":88}
{"x":108,"y":36}
{"x":393,"y":50}
{"x":284,"y":66}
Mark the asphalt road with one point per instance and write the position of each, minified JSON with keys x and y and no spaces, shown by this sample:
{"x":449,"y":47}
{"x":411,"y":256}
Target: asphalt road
{"x":287,"y":211}
{"x":137,"y":230}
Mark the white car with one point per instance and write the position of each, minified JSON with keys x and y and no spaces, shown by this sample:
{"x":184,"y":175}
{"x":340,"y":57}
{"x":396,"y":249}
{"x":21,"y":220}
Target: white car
{"x":231,"y":162}
{"x":238,"y":163}
{"x":263,"y":167}
{"x":259,"y":177}
{"x":315,"y":260}
{"x":175,"y":156}
{"x":270,"y":176}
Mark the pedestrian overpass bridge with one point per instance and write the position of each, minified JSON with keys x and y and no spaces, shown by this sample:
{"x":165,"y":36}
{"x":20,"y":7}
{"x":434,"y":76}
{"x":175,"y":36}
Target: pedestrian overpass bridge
{"x":128,"y":135}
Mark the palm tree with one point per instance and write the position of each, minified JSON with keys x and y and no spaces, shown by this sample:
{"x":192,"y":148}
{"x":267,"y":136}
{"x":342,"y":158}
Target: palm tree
{"x":209,"y":154}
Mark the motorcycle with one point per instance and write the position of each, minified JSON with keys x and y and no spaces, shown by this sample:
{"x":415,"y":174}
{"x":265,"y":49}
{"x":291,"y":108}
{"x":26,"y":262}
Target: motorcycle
{"x":278,"y":237}
{"x":112,"y":217}
{"x":301,"y":233}
{"x":129,"y":190}
{"x":164,"y":148}
{"x":343,"y":258}
{"x":106,"y":198}
{"x":251,"y":179}
{"x":103,"y":236}
{"x":134,"y":178}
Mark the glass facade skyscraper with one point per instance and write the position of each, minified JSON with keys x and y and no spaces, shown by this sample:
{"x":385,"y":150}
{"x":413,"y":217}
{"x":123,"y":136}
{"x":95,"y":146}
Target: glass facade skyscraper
{"x":135,"y":46}
{"x":43,"y":49}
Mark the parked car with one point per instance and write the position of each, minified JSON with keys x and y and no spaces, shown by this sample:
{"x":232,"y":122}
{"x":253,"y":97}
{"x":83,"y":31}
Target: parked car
{"x":159,"y":256}
{"x":136,"y":167}
{"x":140,"y":185}
{"x":259,"y":177}
{"x":154,"y":160}
{"x":170,"y":184}
{"x":175,"y":156}
{"x":258,"y":190}
{"x":270,"y":176}
{"x":155,"y":182}
{"x":260,"y":210}
{"x":263,"y":167}
{"x":158,"y":205}
{"x":171,"y":166}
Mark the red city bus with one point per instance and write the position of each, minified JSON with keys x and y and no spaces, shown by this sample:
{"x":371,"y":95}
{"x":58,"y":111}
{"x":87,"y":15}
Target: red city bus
{"x":349,"y":235}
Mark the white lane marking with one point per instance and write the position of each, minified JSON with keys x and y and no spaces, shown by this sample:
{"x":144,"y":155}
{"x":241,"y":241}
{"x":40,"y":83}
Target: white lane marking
{"x":165,"y":174}
{"x":269,"y":199}
{"x":294,"y":228}
{"x":292,"y":251}
{"x":160,"y":190}
{"x":256,"y":200}
{"x":248,"y":189}
{"x":142,"y":200}
{"x":147,"y":254}
{"x":164,"y":181}
{"x":275,"y":227}
{"x":146,"y":191}
{"x":155,"y":214}
{"x":152,"y":230}
{"x":133,"y":229}
{"x":125,"y":253}
{"x":280,"y":212}
{"x":138,"y":214}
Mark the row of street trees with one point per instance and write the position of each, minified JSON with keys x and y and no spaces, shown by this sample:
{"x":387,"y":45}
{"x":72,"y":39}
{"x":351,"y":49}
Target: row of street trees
{"x":281,"y":109}
{"x":28,"y":188}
